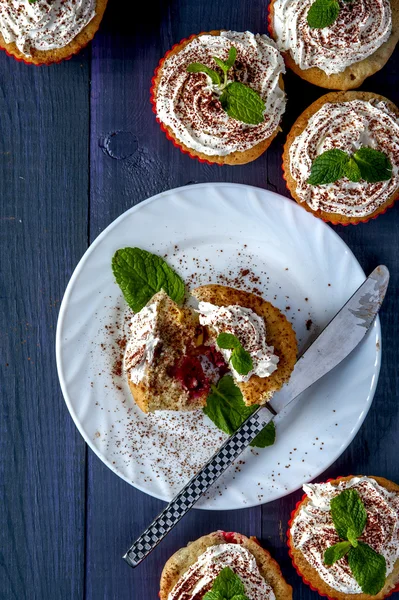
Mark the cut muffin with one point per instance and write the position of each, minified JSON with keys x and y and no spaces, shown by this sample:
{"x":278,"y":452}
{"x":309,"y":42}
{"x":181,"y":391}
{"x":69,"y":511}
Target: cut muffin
{"x":344,"y":121}
{"x":41,"y":33}
{"x":281,"y":348}
{"x":161,"y":361}
{"x":311,"y":531}
{"x":342,"y":55}
{"x":188,"y":105}
{"x":247,"y":559}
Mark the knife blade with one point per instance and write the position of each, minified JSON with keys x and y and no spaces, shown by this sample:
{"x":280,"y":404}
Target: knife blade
{"x":337,"y":340}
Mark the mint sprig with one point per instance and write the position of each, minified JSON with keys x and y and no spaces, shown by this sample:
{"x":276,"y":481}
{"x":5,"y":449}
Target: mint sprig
{"x":324,"y":13}
{"x":141,"y":274}
{"x":226,"y":409}
{"x":238,"y":100}
{"x":366,"y":163}
{"x":240,"y":359}
{"x":227,"y":586}
{"x":350,"y":517}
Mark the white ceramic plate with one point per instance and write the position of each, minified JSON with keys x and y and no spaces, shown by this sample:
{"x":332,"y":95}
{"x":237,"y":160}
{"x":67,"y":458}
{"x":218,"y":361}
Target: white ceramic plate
{"x":224,"y":233}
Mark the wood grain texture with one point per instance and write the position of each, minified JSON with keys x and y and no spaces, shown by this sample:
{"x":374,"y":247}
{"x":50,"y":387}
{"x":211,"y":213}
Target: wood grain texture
{"x":64,"y":523}
{"x":43,"y":225}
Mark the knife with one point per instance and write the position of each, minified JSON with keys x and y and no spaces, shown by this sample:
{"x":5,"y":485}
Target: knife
{"x":337,"y":340}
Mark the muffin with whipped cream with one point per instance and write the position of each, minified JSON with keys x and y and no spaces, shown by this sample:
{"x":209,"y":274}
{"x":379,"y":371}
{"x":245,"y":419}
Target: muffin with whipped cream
{"x":335,"y":44}
{"x":219,"y":95}
{"x":341,"y":157}
{"x":43,"y":32}
{"x":239,"y":322}
{"x":216,"y":564}
{"x":344,"y":538}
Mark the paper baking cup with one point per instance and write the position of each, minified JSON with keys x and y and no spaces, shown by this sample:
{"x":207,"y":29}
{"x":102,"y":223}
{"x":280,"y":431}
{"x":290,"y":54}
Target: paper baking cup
{"x":337,"y":221}
{"x":154,"y":110}
{"x":44,"y":64}
{"x":396,"y":589}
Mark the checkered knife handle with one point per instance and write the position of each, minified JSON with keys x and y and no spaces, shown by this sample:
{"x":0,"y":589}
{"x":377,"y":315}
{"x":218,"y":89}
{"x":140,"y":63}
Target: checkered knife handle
{"x":196,"y":487}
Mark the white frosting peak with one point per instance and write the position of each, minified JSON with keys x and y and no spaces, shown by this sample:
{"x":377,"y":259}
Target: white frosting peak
{"x":43,"y":24}
{"x":360,"y":29}
{"x":140,"y":349}
{"x":249,"y":328}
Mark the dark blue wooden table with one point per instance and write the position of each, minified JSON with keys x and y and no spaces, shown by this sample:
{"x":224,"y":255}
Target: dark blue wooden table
{"x":65,"y":519}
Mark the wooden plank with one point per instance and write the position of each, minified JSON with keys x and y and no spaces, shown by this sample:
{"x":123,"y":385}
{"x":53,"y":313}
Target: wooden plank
{"x":44,"y":115}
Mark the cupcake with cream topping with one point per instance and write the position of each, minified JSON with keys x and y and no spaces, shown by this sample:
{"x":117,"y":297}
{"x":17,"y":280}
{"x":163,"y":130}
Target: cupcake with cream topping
{"x":43,"y":32}
{"x":341,"y":157}
{"x":219,"y":96}
{"x":344,"y":538}
{"x":335,"y":44}
{"x":221,"y":562}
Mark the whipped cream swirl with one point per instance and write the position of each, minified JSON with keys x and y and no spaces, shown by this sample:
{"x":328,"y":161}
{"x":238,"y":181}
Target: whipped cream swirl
{"x":249,"y":328}
{"x":360,"y":29}
{"x":313,"y":530}
{"x":44,"y":24}
{"x":346,"y":126}
{"x":198,"y":579}
{"x":140,"y":349}
{"x":188,"y":103}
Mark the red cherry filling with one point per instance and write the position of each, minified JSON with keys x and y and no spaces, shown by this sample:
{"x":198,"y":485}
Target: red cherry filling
{"x":191,"y":375}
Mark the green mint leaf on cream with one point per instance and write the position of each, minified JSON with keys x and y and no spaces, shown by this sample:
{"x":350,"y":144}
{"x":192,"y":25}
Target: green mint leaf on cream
{"x":323,"y":13}
{"x":240,"y":359}
{"x":199,"y":68}
{"x":352,"y":171}
{"x":373,"y":165}
{"x":348,"y":514}
{"x":227,"y":341}
{"x":227,"y":410}
{"x":243,"y":103}
{"x":227,"y":586}
{"x":366,"y":163}
{"x":336,"y":552}
{"x":349,"y":517}
{"x":141,"y":274}
{"x":328,"y":167}
{"x":238,"y":100}
{"x":368,"y":568}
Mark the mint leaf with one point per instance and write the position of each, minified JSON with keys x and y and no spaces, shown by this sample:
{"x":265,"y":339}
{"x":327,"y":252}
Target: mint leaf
{"x":368,"y":568}
{"x":141,"y":274}
{"x":266,"y":437}
{"x":352,"y":171}
{"x":227,"y":410}
{"x":227,"y":341}
{"x":243,"y":103}
{"x":328,"y":167}
{"x":227,"y":586}
{"x":348,"y":514}
{"x":241,"y":361}
{"x":373,"y":165}
{"x":323,"y":13}
{"x":226,"y":65}
{"x":336,"y":552}
{"x":199,"y":68}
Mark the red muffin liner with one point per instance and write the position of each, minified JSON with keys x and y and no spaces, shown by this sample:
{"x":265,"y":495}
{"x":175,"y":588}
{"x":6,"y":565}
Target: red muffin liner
{"x":154,"y":110}
{"x":44,"y":64}
{"x":395,"y":589}
{"x":337,"y":222}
